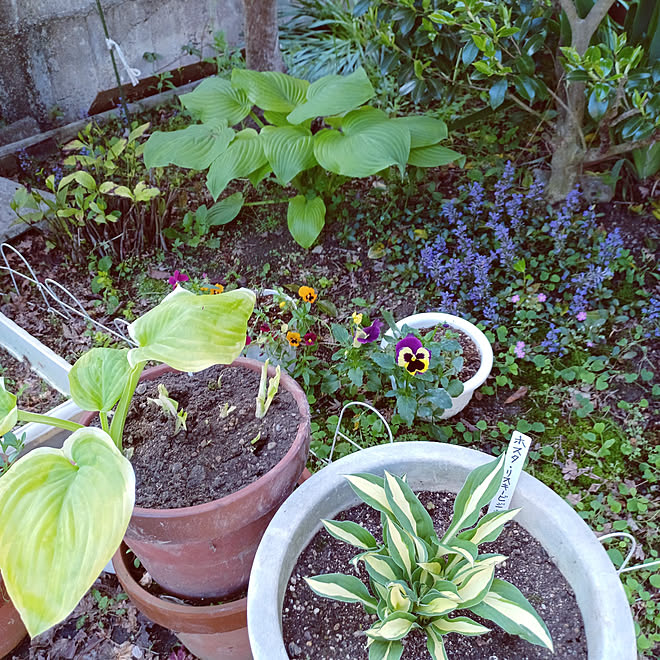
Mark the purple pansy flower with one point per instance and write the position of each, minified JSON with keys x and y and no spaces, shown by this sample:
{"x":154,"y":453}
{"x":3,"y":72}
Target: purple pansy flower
{"x":177,"y":278}
{"x":371,"y":332}
{"x":412,"y":356}
{"x":309,"y":339}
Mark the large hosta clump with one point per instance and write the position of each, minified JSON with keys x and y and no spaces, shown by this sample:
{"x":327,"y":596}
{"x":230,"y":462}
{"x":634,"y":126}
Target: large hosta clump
{"x":307,"y":133}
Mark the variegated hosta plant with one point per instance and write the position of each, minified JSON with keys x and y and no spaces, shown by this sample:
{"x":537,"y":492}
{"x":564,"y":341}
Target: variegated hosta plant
{"x":64,"y":511}
{"x":311,"y":136}
{"x":419,"y":580}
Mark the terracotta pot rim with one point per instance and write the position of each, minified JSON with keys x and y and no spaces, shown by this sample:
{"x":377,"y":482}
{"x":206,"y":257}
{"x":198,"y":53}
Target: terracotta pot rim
{"x":247,"y":492}
{"x":131,"y":585}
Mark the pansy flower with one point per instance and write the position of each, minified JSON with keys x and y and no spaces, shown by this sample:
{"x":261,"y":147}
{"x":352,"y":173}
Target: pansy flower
{"x":293,"y":338}
{"x":248,"y":340}
{"x":177,"y":278}
{"x":357,"y":318}
{"x":371,"y":332}
{"x":264,"y":327}
{"x":412,"y":356}
{"x":213,"y":290}
{"x":307,"y":294}
{"x":309,"y":339}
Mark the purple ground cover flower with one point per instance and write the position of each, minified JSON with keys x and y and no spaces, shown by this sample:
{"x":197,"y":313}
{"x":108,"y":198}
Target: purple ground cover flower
{"x":520,"y":349}
{"x":542,"y":297}
{"x":581,"y":316}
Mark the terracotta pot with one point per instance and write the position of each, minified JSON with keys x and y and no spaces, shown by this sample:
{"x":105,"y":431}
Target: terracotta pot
{"x":206,"y":551}
{"x":213,"y":632}
{"x":12,"y":630}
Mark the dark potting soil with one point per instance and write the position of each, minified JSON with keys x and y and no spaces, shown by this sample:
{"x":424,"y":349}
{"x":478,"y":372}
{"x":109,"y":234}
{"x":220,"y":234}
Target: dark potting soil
{"x":471,"y":357}
{"x":224,"y":447}
{"x":324,"y":629}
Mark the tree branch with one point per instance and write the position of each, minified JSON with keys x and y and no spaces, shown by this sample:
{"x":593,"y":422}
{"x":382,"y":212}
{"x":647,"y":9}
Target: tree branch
{"x":594,"y":156}
{"x":582,"y":29}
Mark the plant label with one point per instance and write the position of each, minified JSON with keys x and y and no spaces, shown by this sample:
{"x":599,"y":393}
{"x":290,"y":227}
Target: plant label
{"x":515,"y":459}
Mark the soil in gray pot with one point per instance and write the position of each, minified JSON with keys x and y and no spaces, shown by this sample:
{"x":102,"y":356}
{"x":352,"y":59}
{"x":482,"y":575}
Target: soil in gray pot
{"x":224,"y":447}
{"x":322,"y":629}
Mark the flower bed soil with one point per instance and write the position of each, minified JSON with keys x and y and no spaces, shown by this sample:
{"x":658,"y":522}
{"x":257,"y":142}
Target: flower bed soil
{"x":216,"y":455}
{"x":34,"y":395}
{"x":321,"y":629}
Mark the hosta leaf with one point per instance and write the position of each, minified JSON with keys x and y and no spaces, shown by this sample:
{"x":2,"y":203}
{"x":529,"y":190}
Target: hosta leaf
{"x":382,"y":650}
{"x":434,"y":644}
{"x":489,"y":527}
{"x":371,"y":490}
{"x":367,"y":144}
{"x":350,"y":532}
{"x":97,"y":378}
{"x":400,"y":547}
{"x":479,"y":488}
{"x":333,"y":95}
{"x":509,"y":609}
{"x":226,"y":209}
{"x":194,"y":147}
{"x":270,"y":90}
{"x":460,"y":624}
{"x":435,"y":603}
{"x":243,"y":156}
{"x":458,"y":576}
{"x":396,"y":626}
{"x":407,"y":508}
{"x":382,"y":569}
{"x":215,"y":101}
{"x":346,"y":588}
{"x":475,"y":586}
{"x":432,"y":156}
{"x":289,"y":150}
{"x":399,"y":597}
{"x":190,"y":332}
{"x":424,"y":131}
{"x":8,"y":409}
{"x":64,"y":513}
{"x":305,"y":219}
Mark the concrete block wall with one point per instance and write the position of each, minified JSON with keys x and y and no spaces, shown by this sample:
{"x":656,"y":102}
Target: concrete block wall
{"x":53,"y":52}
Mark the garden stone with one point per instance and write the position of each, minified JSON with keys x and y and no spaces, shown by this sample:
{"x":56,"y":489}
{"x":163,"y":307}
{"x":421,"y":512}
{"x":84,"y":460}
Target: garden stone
{"x":9,"y":227}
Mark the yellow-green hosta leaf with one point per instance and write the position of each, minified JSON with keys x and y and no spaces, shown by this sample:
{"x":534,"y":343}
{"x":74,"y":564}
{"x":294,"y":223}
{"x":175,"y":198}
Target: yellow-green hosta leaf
{"x":385,"y":650}
{"x":460,"y":624}
{"x":97,"y":378}
{"x":64,"y":513}
{"x":436,"y":603}
{"x":509,"y":609}
{"x":489,"y":527}
{"x":305,"y":219}
{"x":370,"y":489}
{"x":382,"y":569}
{"x":190,"y":332}
{"x":271,"y":90}
{"x":350,"y":532}
{"x":424,"y":131}
{"x":434,"y":644}
{"x":367,"y":143}
{"x":479,"y":488}
{"x":432,"y":156}
{"x":289,"y":150}
{"x":8,"y":409}
{"x":399,"y":597}
{"x":216,"y":101}
{"x":333,"y":95}
{"x":475,"y":586}
{"x":345,"y":588}
{"x":242,"y":157}
{"x":400,"y":547}
{"x":407,"y":508}
{"x":396,"y":626}
{"x":194,"y":147}
{"x":459,"y":576}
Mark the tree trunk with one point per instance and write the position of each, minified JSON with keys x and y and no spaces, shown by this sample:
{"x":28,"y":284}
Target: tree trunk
{"x":262,"y":46}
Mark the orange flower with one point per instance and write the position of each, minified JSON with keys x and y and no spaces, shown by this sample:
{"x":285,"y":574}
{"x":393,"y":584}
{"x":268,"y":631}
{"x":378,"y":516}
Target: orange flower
{"x":293,"y":338}
{"x":307,"y":294}
{"x":213,"y":290}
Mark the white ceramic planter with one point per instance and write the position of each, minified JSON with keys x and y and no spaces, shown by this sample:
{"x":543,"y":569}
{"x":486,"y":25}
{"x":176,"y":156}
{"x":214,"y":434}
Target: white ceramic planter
{"x":431,"y":319}
{"x":435,"y":466}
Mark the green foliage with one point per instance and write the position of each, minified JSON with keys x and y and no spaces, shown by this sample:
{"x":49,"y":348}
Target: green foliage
{"x":418,"y":579}
{"x":317,"y":136}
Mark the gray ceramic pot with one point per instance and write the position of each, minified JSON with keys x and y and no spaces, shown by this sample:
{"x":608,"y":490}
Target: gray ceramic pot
{"x":434,"y":466}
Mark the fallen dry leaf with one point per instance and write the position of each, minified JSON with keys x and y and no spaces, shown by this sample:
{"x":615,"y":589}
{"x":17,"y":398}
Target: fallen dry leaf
{"x":518,"y":394}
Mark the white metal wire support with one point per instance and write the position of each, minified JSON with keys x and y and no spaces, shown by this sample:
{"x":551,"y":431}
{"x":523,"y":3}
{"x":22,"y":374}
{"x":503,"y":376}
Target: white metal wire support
{"x":633,"y":547}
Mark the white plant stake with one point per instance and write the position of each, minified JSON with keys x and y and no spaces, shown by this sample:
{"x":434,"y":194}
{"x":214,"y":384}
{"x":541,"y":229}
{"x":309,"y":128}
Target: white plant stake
{"x":515,"y":459}
{"x":265,"y":398}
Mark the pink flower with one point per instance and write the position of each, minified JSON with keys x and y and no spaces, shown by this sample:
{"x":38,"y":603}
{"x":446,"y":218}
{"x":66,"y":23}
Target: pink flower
{"x":581,"y":316}
{"x":542,"y":297}
{"x":264,"y":327}
{"x":590,"y":344}
{"x":248,"y":340}
{"x":309,"y":339}
{"x":520,"y":349}
{"x":515,"y":298}
{"x":177,"y":278}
